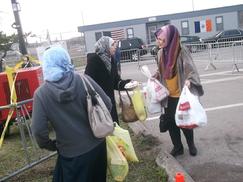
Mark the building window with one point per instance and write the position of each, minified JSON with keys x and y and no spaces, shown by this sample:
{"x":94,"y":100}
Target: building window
{"x":241,"y":19}
{"x":107,"y":33}
{"x":151,"y":30}
{"x":219,"y":23}
{"x":185,"y":27}
{"x":130,"y":33}
{"x":98,"y":35}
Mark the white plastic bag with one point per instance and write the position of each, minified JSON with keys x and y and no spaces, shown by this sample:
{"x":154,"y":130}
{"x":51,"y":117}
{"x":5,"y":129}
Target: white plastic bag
{"x":154,"y":87}
{"x":155,"y":92}
{"x":189,"y":112}
{"x":151,"y":107}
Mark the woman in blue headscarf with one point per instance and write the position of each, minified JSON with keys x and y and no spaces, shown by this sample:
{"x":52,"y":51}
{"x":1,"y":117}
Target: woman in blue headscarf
{"x":61,"y":100}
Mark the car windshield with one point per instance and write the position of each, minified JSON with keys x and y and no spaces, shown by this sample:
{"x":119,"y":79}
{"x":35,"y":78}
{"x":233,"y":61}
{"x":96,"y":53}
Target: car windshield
{"x":136,"y":42}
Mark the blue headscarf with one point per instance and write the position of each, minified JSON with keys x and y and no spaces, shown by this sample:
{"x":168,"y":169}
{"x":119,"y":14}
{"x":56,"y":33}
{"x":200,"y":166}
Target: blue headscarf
{"x":56,"y":64}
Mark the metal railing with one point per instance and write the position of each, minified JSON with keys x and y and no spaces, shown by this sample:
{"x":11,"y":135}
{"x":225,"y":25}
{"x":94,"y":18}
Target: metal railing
{"x":29,"y":154}
{"x":217,"y":52}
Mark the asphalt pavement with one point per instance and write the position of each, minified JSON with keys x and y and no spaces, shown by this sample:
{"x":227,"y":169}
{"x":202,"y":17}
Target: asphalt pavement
{"x":220,"y":143}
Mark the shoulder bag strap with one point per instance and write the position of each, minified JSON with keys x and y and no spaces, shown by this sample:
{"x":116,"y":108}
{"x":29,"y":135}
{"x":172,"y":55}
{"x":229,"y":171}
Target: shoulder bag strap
{"x":85,"y":86}
{"x":90,"y":90}
{"x":119,"y":92}
{"x":89,"y":84}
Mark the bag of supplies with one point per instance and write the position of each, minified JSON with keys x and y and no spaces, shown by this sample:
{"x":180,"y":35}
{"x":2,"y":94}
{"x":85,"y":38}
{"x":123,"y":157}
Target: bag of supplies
{"x":117,"y":163}
{"x":124,"y":143}
{"x":138,"y":103}
{"x":189,"y":112}
{"x":127,"y":109}
{"x":155,"y":92}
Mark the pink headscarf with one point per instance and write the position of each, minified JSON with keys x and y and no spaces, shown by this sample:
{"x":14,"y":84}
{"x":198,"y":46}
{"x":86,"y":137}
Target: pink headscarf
{"x":170,"y":51}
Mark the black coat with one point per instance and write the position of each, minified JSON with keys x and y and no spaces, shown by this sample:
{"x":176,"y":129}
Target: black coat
{"x":108,"y":81}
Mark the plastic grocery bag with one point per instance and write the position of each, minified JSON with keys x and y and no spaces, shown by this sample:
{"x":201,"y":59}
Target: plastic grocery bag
{"x":116,"y":162}
{"x":155,"y":88}
{"x":155,"y":92}
{"x":138,"y":103}
{"x":124,"y":143}
{"x":152,"y":107}
{"x":189,"y":112}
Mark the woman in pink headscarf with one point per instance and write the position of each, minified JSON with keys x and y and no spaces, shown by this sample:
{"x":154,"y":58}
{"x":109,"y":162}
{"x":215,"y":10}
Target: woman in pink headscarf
{"x":175,"y":69}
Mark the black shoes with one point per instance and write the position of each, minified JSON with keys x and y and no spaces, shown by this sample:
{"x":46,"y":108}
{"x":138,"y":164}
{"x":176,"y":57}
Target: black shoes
{"x":193,"y":150}
{"x":177,"y":151}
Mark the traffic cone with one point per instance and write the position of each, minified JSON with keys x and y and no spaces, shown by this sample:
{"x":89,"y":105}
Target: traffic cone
{"x":179,"y":177}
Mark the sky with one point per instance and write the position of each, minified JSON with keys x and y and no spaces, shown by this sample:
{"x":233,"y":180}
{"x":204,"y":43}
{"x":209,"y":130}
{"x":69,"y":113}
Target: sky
{"x":62,"y":17}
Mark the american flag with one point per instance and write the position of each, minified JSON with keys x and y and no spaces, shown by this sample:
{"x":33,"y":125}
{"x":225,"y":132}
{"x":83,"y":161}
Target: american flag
{"x":118,"y":34}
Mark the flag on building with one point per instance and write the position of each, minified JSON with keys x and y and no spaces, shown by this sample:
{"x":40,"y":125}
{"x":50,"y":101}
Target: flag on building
{"x":203,"y":26}
{"x":118,"y":34}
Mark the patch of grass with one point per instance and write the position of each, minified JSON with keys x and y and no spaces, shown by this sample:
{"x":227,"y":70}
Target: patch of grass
{"x":146,"y":169}
{"x":146,"y":147}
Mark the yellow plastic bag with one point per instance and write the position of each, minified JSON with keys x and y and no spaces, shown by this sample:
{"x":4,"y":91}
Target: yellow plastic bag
{"x":117,"y":163}
{"x":138,"y":103}
{"x":124,"y":143}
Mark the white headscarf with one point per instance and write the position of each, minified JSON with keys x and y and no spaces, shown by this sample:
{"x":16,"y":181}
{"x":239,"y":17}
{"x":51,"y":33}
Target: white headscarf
{"x":102,"y":49}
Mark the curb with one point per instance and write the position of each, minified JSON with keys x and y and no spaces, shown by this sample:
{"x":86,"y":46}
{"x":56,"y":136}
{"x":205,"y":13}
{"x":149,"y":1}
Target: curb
{"x":164,"y":159}
{"x":171,"y":166}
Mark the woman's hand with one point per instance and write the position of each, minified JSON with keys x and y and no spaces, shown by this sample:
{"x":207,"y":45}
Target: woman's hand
{"x":187,"y":83}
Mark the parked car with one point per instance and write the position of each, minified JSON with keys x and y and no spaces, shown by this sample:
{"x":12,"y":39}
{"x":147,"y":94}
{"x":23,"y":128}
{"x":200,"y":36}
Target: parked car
{"x":132,"y":48}
{"x":224,"y":36}
{"x":193,"y":43}
{"x":186,"y":40}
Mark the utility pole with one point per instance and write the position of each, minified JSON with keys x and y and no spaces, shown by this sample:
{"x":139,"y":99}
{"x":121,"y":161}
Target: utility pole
{"x":17,"y":25}
{"x":193,"y":5}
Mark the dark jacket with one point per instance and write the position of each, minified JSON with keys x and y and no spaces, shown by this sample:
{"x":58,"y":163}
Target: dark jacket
{"x":63,"y":104}
{"x":108,"y":81}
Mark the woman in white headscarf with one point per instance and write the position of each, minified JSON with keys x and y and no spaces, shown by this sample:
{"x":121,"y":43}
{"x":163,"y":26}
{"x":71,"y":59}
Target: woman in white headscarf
{"x":102,"y":68}
{"x":61,"y":100}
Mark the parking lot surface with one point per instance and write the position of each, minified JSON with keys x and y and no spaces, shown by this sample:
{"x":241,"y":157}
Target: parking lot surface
{"x":220,"y":143}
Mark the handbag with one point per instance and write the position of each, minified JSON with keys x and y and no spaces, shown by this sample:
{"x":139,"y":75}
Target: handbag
{"x":127,"y":109}
{"x":163,"y":123}
{"x":99,"y":116}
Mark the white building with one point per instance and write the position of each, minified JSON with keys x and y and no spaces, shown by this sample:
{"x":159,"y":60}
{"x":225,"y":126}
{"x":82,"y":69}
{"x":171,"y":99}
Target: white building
{"x":202,"y":23}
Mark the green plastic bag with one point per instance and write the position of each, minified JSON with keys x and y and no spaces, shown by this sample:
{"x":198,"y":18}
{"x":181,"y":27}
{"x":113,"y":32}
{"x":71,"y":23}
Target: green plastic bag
{"x":138,"y":103}
{"x":117,"y":163}
{"x":124,"y":143}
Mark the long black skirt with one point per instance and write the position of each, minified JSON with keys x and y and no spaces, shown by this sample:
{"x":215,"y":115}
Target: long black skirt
{"x":89,"y":167}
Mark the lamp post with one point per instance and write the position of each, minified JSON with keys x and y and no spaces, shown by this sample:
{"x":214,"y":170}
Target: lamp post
{"x":17,"y":25}
{"x":192,"y":5}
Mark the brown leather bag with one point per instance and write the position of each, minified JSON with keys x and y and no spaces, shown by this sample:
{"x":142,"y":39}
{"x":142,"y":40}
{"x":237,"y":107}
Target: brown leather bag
{"x":127,"y":109}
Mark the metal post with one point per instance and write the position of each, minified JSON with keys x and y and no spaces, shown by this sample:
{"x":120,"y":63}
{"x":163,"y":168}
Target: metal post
{"x":17,"y":25}
{"x":193,"y":5}
{"x":235,"y":67}
{"x":210,"y":63}
{"x":22,"y":134}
